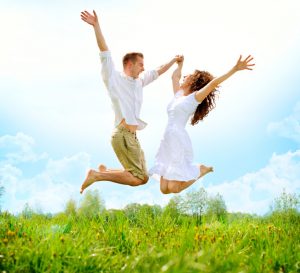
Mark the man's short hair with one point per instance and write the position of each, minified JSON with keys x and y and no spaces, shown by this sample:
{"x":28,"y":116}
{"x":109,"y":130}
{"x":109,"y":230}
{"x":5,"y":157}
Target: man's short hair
{"x":132,"y":56}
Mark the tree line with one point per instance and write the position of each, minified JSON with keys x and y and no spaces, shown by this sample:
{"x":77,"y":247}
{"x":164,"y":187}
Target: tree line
{"x":196,"y":204}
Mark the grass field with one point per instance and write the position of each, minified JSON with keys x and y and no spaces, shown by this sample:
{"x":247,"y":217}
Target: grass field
{"x":114,"y":242}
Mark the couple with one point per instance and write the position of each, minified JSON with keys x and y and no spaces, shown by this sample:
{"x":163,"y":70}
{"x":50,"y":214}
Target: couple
{"x":195,"y":97}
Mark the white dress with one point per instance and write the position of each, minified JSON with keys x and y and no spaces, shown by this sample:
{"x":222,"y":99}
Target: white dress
{"x":174,"y":159}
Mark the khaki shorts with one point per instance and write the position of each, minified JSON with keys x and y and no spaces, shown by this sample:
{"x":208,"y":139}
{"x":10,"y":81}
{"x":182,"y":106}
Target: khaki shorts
{"x":129,"y":152}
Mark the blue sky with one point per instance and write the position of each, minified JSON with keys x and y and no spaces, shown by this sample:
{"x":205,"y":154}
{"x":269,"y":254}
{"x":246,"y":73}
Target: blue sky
{"x":56,"y":118}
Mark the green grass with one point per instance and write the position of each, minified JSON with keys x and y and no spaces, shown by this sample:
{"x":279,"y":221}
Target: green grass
{"x":112,"y":242}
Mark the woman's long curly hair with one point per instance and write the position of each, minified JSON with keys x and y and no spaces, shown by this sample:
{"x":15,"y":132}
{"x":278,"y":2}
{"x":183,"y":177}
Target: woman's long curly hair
{"x":200,"y":79}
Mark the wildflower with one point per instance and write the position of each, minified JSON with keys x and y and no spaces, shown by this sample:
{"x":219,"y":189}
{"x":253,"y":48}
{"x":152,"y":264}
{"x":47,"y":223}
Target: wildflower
{"x":270,"y":227}
{"x":197,"y":237}
{"x":11,"y":233}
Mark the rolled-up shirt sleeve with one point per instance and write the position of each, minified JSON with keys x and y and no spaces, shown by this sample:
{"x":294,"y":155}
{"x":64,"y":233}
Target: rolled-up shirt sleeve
{"x":148,"y":77}
{"x":107,"y":67}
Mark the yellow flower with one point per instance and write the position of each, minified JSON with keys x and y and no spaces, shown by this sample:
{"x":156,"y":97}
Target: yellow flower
{"x":11,"y":233}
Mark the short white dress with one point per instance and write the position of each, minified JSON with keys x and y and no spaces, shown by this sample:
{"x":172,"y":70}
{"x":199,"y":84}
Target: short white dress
{"x":174,"y":159}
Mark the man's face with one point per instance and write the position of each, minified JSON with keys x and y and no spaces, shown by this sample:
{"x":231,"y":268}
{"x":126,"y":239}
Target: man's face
{"x":137,"y":67}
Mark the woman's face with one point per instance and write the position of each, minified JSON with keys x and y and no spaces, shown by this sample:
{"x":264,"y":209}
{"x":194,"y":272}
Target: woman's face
{"x":187,"y":80}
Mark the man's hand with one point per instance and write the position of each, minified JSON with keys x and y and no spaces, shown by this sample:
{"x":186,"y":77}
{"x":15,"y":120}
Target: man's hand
{"x":93,"y":21}
{"x":89,"y":18}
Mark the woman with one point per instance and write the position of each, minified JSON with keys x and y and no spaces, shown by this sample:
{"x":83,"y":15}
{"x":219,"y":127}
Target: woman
{"x":194,"y":97}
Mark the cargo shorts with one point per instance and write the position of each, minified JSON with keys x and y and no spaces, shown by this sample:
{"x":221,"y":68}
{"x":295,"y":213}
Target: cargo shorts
{"x":129,"y":152}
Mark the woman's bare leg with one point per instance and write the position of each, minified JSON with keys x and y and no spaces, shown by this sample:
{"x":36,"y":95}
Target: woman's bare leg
{"x":174,"y":186}
{"x":204,"y":170}
{"x":164,"y":185}
{"x":178,"y":186}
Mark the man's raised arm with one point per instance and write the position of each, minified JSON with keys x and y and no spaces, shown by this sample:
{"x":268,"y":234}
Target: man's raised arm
{"x":162,"y":69}
{"x":93,"y":21}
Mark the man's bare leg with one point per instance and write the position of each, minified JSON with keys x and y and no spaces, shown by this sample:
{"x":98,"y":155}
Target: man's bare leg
{"x":102,"y":168}
{"x":119,"y":177}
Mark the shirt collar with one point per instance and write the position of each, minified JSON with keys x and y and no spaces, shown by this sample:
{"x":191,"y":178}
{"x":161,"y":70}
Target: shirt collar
{"x":127,"y":77}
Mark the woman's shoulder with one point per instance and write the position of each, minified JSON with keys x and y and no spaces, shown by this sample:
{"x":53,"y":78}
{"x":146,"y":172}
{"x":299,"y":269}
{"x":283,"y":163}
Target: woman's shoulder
{"x":191,"y":100}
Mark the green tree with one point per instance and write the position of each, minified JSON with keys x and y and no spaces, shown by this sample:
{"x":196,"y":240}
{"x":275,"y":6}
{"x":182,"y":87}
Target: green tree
{"x":156,"y":210}
{"x":175,"y":207}
{"x":216,"y":208}
{"x":285,"y":208}
{"x":91,"y":205}
{"x":196,"y":204}
{"x":1,"y":194}
{"x":27,"y":211}
{"x":286,"y":202}
{"x":71,"y":208}
{"x":141,"y":214}
{"x":131,"y":212}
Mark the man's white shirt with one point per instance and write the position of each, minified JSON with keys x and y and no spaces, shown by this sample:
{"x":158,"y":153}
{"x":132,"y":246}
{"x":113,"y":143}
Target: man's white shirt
{"x":126,"y":93}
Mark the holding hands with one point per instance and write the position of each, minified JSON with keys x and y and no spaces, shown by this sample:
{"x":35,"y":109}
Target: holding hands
{"x":179,"y":59}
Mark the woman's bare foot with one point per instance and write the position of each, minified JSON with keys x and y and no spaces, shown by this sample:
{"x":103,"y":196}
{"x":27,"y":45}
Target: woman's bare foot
{"x":102,"y":168}
{"x":89,"y":180}
{"x":204,"y":170}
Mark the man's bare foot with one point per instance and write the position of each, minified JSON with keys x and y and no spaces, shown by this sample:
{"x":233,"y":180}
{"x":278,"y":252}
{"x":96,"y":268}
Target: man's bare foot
{"x":102,"y":168}
{"x":204,"y":170}
{"x":89,"y":180}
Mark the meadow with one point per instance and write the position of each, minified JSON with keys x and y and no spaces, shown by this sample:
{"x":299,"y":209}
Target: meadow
{"x":149,"y":240}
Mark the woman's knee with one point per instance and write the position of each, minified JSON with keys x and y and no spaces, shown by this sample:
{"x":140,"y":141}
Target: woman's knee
{"x":164,"y":186}
{"x":164,"y":190}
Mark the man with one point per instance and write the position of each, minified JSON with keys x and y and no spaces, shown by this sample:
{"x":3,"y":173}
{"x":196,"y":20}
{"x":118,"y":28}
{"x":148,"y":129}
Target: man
{"x":126,"y":92}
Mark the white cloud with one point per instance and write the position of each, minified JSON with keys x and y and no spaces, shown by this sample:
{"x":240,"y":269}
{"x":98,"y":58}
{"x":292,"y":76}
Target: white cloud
{"x":255,"y":191}
{"x":289,"y":127}
{"x":19,"y":149}
{"x":149,"y":194}
{"x":60,"y":179}
{"x":49,"y":188}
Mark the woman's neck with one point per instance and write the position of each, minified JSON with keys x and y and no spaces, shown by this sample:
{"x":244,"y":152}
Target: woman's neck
{"x":186,"y":90}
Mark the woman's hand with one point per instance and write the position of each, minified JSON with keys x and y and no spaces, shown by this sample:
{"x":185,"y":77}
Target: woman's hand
{"x":244,"y":64}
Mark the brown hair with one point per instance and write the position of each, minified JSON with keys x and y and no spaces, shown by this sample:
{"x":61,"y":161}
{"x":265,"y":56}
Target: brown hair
{"x":132,"y":56}
{"x":202,"y":78}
